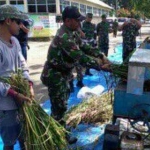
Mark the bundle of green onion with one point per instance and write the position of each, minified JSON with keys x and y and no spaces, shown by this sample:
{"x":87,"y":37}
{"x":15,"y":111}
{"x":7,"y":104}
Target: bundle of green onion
{"x":41,"y":131}
{"x":120,"y":71}
{"x":96,"y":109}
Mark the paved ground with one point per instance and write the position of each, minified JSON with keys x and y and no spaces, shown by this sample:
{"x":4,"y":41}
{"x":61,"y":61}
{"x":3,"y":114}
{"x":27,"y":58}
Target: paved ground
{"x":37,"y":56}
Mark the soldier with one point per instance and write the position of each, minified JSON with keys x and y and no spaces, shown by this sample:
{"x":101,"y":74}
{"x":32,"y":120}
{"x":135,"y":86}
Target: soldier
{"x":129,"y":32}
{"x":10,"y":60}
{"x":89,"y":29}
{"x":63,"y":55}
{"x":115,"y":27}
{"x":88,"y":35}
{"x":103,"y":34}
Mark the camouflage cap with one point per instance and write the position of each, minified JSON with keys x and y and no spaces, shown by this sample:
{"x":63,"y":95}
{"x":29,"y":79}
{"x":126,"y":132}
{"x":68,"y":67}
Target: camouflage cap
{"x":10,"y":11}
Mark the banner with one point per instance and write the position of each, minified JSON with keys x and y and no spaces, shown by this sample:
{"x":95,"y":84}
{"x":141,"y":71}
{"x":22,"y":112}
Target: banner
{"x":43,"y":25}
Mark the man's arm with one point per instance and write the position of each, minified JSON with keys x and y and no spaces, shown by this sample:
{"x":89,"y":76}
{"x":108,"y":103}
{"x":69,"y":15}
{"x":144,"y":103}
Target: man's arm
{"x":24,"y":28}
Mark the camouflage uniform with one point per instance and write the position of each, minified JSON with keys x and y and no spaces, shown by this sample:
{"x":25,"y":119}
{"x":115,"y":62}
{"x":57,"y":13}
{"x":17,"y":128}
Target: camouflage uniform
{"x":63,"y":55}
{"x":129,"y":34}
{"x":90,"y":33}
{"x":103,"y":40}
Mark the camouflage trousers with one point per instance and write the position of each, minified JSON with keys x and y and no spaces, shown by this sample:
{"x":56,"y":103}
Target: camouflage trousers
{"x":103,"y":43}
{"x":79,"y":70}
{"x":128,"y":48}
{"x":59,"y":92}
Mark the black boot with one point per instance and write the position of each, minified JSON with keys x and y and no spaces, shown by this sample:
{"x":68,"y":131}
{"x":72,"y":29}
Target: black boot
{"x":87,"y":72}
{"x":80,"y":84}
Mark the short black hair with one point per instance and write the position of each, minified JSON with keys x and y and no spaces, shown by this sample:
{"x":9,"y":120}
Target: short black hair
{"x":103,"y":16}
{"x":89,"y":15}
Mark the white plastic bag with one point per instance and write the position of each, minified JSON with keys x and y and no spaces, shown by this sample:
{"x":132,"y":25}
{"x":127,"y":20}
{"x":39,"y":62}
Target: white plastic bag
{"x":86,"y":92}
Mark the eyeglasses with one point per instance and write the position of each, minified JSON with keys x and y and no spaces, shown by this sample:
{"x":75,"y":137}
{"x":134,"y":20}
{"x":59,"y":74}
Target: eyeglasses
{"x":18,"y":21}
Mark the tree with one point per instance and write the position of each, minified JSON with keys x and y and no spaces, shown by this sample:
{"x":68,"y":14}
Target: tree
{"x":142,"y":6}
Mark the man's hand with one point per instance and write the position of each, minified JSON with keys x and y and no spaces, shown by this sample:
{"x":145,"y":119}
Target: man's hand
{"x":106,"y":67}
{"x":21,"y":98}
{"x":31,"y":92}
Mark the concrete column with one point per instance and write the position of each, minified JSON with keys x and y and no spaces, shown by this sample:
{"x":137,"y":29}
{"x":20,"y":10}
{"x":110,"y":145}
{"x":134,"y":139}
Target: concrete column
{"x":57,"y":6}
{"x":7,"y":1}
{"x":25,"y":6}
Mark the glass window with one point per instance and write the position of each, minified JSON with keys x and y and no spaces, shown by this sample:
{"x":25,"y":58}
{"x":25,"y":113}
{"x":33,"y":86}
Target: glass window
{"x":63,"y":5}
{"x":95,"y":12}
{"x":51,"y":1}
{"x":32,"y":8}
{"x":13,"y":2}
{"x":66,"y":3}
{"x":83,"y":9}
{"x":103,"y":11}
{"x":41,"y":1}
{"x":89,"y":9}
{"x":2,"y":2}
{"x":75,"y":4}
{"x":32,"y":2}
{"x":100,"y":12}
{"x":41,"y":8}
{"x":52,"y":8}
{"x":20,"y":2}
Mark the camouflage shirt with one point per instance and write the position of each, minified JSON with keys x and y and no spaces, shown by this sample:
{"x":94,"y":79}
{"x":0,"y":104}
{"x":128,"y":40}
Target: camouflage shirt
{"x":90,"y":33}
{"x":115,"y":25}
{"x":103,"y":29}
{"x":129,"y":33}
{"x":65,"y":52}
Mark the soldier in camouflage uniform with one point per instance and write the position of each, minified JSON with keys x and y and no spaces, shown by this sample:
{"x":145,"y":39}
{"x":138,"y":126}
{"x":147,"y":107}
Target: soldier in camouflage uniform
{"x":103,"y":35}
{"x":90,"y":34}
{"x":63,"y":55}
{"x":129,"y":32}
{"x":89,"y":38}
{"x":115,"y":27}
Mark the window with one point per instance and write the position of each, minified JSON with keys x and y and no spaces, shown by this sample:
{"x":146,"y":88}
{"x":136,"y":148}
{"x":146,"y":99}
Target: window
{"x":31,"y":2}
{"x":52,"y":8}
{"x":89,"y":9}
{"x":32,"y":8}
{"x":15,"y":2}
{"x":75,"y":4}
{"x":63,"y":4}
{"x":41,"y":1}
{"x":100,"y":12}
{"x":2,"y":2}
{"x":95,"y":12}
{"x":103,"y":11}
{"x":51,"y":1}
{"x":83,"y":9}
{"x":42,"y":6}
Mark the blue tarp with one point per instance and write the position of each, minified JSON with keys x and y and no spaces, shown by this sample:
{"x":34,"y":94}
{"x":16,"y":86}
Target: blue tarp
{"x":90,"y":137}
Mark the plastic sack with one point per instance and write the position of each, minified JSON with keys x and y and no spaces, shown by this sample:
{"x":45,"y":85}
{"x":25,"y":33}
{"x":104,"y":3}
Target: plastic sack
{"x":86,"y":92}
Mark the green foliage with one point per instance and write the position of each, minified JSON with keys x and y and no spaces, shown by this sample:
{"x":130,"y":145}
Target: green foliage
{"x":141,"y":6}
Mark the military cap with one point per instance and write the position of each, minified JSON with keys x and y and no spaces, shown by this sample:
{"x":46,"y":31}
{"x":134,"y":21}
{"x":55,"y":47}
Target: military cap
{"x":103,"y":16}
{"x":72,"y":12}
{"x":89,"y":15}
{"x":10,"y":11}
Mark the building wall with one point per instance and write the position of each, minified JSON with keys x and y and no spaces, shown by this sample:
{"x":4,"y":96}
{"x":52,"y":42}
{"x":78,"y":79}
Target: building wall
{"x":43,"y":12}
